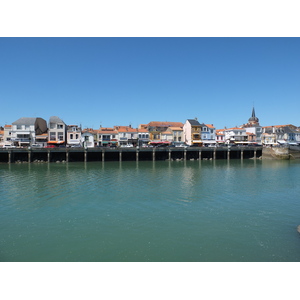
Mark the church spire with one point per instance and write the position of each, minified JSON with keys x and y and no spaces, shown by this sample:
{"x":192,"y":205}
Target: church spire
{"x":253,"y":113}
{"x":253,"y":120}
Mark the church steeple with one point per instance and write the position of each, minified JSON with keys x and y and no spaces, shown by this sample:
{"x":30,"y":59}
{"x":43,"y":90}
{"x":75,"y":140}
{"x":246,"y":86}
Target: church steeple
{"x":253,"y":113}
{"x":253,"y":120}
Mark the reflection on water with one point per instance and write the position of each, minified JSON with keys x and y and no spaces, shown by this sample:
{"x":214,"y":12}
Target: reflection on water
{"x":150,"y":211}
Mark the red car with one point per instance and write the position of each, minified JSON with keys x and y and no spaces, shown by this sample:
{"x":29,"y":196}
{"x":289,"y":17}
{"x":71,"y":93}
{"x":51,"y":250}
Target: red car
{"x":50,"y":146}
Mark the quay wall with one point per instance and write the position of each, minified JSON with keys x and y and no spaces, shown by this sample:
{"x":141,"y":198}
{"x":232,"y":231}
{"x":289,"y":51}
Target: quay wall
{"x":282,"y":153}
{"x":294,"y":152}
{"x":17,"y":155}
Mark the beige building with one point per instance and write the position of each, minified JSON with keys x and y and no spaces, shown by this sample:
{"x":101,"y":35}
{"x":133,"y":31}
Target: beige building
{"x":57,"y":131}
{"x":192,"y":132}
{"x":73,"y":135}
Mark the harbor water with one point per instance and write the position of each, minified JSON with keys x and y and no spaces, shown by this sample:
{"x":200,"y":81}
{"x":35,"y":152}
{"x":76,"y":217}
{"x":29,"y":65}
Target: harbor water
{"x":164,"y":211}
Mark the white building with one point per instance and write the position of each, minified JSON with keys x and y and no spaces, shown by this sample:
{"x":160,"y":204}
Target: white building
{"x":25,"y":130}
{"x":235,"y":134}
{"x":87,"y":138}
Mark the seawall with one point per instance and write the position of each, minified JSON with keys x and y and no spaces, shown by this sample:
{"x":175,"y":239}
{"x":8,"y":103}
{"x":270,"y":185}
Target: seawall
{"x":126,"y":154}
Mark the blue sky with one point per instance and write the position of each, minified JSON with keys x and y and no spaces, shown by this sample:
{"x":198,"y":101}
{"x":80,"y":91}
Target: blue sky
{"x":121,"y":81}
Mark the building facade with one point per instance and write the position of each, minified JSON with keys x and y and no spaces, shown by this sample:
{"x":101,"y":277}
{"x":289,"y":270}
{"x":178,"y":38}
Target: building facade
{"x":192,"y":132}
{"x":57,"y":131}
{"x":25,"y":130}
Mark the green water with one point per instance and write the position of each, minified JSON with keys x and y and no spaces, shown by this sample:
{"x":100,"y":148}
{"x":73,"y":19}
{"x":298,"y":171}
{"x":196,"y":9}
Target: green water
{"x":150,"y":211}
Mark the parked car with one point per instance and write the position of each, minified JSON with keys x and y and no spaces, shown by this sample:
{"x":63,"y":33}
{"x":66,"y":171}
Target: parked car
{"x":49,"y":146}
{"x":36,"y":146}
{"x":7,"y":146}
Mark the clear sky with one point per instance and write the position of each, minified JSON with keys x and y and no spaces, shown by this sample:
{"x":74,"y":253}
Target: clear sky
{"x":122,"y":81}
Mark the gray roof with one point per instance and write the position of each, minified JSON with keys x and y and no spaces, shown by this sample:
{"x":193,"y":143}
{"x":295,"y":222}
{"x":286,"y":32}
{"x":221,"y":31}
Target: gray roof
{"x":25,"y":121}
{"x":194,"y":122}
{"x":55,"y":119}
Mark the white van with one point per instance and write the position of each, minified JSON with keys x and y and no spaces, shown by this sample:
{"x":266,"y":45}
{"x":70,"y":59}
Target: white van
{"x":7,"y":146}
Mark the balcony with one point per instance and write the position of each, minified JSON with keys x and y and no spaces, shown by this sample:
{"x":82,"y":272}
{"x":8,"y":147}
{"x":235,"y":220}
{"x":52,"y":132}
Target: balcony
{"x":22,"y":140}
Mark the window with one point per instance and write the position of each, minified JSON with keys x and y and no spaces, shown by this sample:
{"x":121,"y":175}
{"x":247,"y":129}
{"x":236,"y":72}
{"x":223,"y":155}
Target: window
{"x":60,"y":126}
{"x":52,"y":136}
{"x":19,"y":126}
{"x":71,"y":136}
{"x":76,"y":136}
{"x":60,"y":136}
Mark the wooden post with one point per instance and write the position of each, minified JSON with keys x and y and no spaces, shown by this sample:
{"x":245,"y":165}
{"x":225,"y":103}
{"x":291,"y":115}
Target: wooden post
{"x":9,"y":156}
{"x":170,"y":154}
{"x":103,"y":155}
{"x":242,"y":154}
{"x":153,"y":154}
{"x":137,"y":155}
{"x":254,"y":153}
{"x":200,"y":154}
{"x":85,"y":155}
{"x":214,"y":157}
{"x":184,"y":154}
{"x":48,"y":156}
{"x":228,"y":154}
{"x":29,"y":156}
{"x":120,"y":155}
{"x":67,"y":155}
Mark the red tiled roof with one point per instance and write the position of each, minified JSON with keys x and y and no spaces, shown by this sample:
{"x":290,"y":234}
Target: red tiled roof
{"x":107,"y":131}
{"x":125,"y":129}
{"x":176,"y":128}
{"x":169,"y":124}
{"x":143,"y":130}
{"x":235,"y":128}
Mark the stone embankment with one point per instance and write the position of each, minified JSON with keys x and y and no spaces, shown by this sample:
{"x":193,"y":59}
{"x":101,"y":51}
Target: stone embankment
{"x":275,"y":153}
{"x":285,"y":153}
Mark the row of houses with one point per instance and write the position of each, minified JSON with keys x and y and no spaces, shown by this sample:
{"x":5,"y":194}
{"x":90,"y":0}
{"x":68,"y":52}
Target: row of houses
{"x":37,"y":132}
